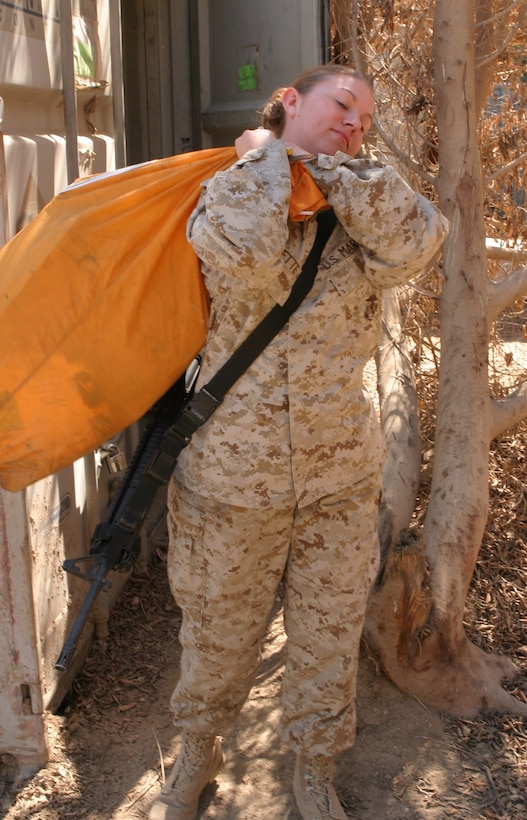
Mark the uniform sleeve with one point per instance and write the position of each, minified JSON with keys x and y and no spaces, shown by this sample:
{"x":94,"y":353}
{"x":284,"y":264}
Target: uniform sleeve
{"x":240,"y":223}
{"x":397,"y":229}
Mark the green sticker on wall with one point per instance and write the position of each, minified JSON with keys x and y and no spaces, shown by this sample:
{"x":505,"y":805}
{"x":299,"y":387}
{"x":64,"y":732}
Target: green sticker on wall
{"x":247,"y":77}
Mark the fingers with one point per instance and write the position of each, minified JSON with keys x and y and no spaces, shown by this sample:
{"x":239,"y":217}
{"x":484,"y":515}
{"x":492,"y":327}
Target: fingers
{"x":252,"y":138}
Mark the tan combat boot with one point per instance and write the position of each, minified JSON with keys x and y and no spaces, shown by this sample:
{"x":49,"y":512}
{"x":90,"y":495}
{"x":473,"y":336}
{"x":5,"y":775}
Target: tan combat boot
{"x":314,"y":793}
{"x":198,"y":763}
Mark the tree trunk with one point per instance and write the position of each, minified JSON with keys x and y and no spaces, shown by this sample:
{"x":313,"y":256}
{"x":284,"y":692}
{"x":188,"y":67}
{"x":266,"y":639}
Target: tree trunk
{"x":415,"y":618}
{"x":400,"y":426}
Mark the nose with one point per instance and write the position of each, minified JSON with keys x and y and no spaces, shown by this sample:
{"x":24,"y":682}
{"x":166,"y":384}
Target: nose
{"x":352,"y":119}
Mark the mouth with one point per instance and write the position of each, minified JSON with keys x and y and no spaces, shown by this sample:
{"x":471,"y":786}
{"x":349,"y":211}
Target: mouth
{"x":342,"y":136}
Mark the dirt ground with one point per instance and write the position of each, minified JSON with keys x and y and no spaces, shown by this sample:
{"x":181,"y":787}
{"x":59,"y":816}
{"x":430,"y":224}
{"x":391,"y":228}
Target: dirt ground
{"x":408,"y":762}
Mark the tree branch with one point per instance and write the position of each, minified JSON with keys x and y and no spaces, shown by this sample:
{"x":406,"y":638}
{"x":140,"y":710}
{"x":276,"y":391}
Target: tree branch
{"x":505,"y":168}
{"x":497,"y":15}
{"x":506,"y":254}
{"x":355,"y":36}
{"x":403,"y":158}
{"x":507,"y":412}
{"x":504,"y":293}
{"x":495,"y":54}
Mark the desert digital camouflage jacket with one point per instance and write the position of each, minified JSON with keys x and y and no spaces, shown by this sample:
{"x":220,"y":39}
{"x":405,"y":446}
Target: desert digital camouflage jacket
{"x":299,"y":425}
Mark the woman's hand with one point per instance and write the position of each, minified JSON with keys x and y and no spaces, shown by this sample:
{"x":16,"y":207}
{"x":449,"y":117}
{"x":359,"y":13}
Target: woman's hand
{"x":253,"y":138}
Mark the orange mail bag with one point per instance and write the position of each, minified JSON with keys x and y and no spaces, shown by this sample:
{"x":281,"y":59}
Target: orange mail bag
{"x":102,"y":308}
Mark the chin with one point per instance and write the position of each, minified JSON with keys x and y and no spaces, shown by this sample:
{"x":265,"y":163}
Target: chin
{"x":331,"y":150}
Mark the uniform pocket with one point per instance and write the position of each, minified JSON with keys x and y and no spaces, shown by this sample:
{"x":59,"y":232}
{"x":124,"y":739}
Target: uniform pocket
{"x":186,"y":566}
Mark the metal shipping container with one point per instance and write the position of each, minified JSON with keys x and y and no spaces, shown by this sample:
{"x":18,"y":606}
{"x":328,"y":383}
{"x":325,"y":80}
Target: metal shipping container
{"x":57,"y":122}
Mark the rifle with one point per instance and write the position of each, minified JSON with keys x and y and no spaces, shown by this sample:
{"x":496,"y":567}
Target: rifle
{"x":115,"y":543}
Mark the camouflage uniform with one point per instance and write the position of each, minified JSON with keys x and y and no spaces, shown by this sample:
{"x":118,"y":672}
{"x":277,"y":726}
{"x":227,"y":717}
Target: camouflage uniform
{"x":283,"y":482}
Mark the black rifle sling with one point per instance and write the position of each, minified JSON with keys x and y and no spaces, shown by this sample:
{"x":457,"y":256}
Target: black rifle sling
{"x":132,"y":511}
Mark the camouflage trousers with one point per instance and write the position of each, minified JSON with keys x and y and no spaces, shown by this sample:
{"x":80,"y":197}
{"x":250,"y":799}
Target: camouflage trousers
{"x":225,"y":565}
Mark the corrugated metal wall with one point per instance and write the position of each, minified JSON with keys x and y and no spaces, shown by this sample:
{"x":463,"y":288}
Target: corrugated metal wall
{"x":41,"y":148}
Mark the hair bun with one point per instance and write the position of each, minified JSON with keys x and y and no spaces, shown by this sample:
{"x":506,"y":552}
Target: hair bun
{"x":273,"y":115}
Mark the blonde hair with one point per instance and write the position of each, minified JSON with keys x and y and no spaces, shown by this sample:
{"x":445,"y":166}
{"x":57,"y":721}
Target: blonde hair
{"x":273,"y":114}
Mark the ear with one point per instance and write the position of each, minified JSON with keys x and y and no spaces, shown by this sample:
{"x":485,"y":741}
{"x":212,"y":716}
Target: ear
{"x":290,"y":99}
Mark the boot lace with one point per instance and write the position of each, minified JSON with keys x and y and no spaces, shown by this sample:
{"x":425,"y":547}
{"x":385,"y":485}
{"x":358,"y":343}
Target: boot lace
{"x":318,"y":781}
{"x":193,"y":755}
